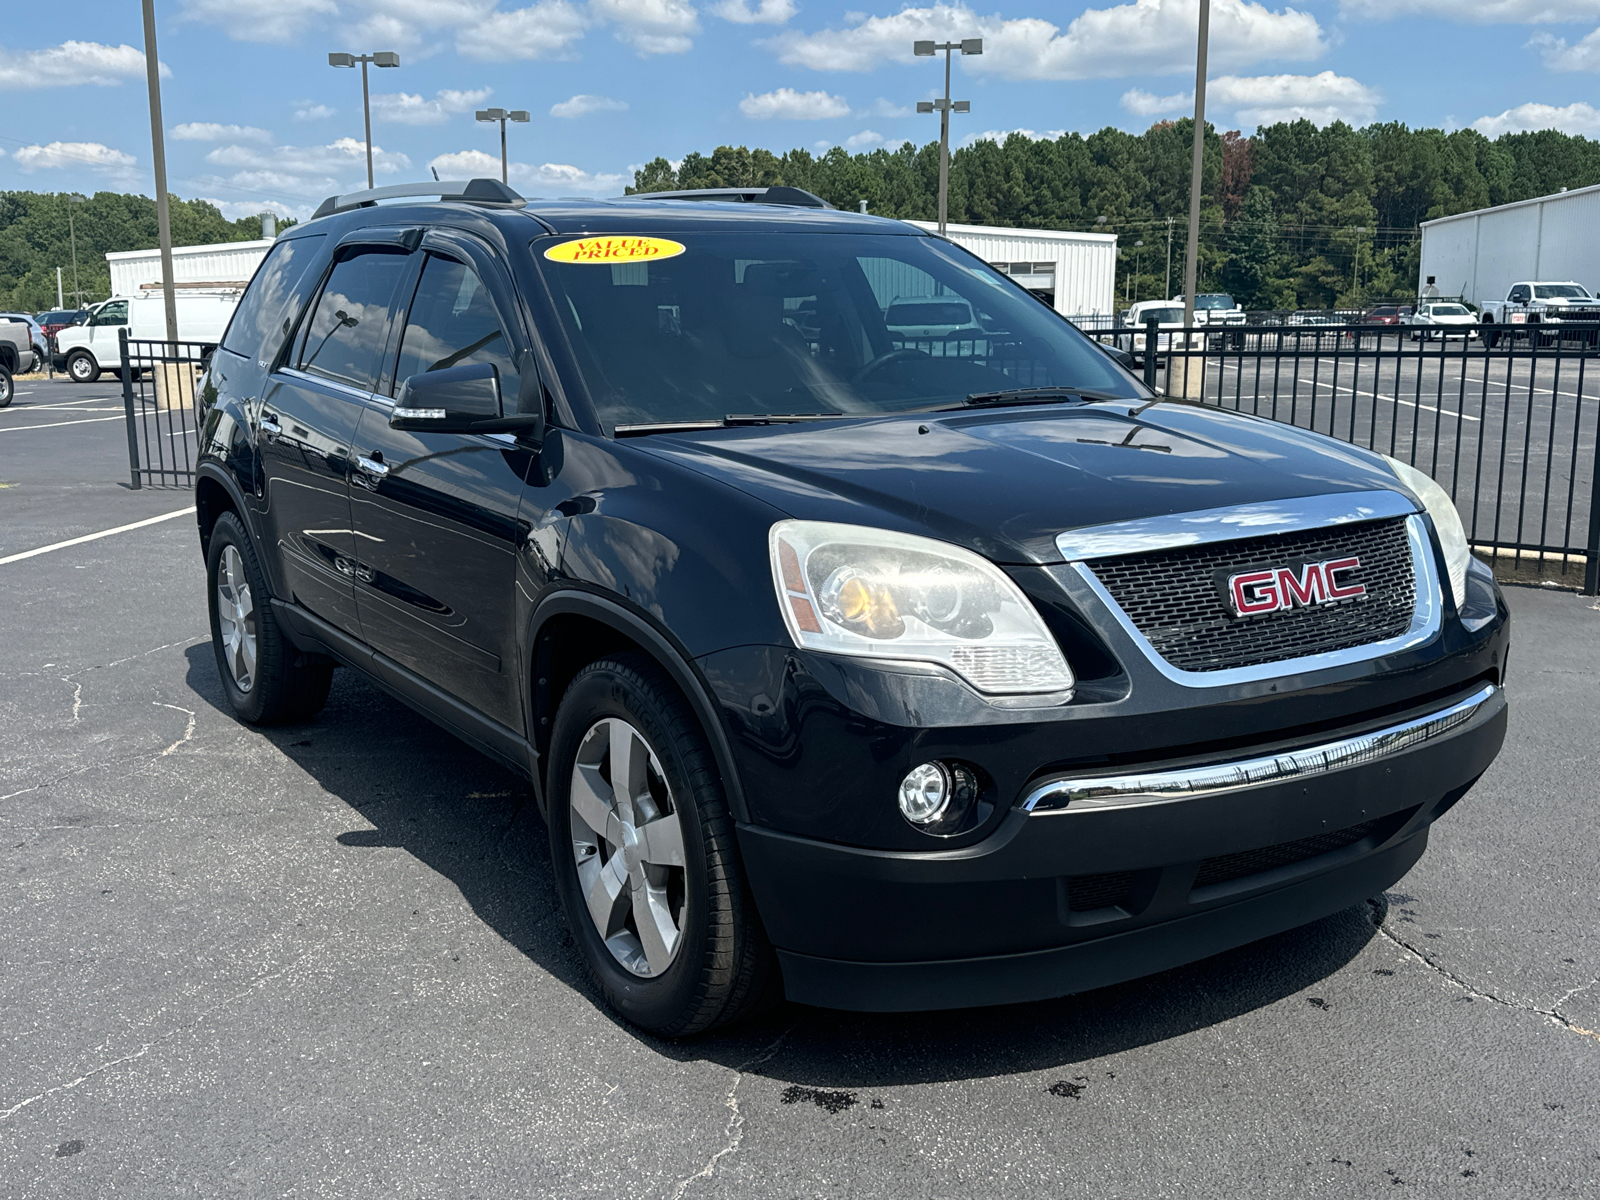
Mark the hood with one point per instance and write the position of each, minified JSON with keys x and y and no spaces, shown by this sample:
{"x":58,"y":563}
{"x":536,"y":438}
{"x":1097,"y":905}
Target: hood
{"x":1004,"y":483}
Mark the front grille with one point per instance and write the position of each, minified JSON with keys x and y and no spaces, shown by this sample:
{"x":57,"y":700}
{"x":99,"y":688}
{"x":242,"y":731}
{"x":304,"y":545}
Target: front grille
{"x":1176,"y":597}
{"x":1086,"y":893}
{"x":1227,"y":867}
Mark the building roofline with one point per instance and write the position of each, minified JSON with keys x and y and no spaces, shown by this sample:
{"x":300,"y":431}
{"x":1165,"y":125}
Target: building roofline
{"x":1478,"y":212}
{"x":1008,"y":231}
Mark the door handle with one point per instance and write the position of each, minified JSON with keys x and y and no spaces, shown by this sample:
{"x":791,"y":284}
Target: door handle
{"x":373,"y":466}
{"x":269,"y":425}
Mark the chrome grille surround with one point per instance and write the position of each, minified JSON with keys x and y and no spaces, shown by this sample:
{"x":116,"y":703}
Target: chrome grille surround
{"x":1097,"y":792}
{"x":1250,"y":522}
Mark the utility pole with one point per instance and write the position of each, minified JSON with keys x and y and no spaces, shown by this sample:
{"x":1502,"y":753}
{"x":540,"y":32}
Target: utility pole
{"x":382,"y":58}
{"x":1167,"y":294}
{"x":944,"y":108}
{"x":1191,"y":252}
{"x":72,"y":233}
{"x":158,"y":148}
{"x":61,"y":301}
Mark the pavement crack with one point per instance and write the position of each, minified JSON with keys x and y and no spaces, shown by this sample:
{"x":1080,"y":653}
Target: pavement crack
{"x":188,"y":731}
{"x":1552,"y":1014}
{"x":734,"y":1134}
{"x":7,"y":1113}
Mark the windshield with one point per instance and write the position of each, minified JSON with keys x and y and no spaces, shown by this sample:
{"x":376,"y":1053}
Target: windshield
{"x":1449,"y":310}
{"x":1204,"y":303}
{"x":1559,"y":291}
{"x":777,"y":323}
{"x":1167,"y":316}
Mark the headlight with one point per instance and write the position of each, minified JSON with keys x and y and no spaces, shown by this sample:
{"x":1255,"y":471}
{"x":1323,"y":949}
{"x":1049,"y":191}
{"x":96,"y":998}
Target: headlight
{"x":1446,"y":521}
{"x":850,"y":589}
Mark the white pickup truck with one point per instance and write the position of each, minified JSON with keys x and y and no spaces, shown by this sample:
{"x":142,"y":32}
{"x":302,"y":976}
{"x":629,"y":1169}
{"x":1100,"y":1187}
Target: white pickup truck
{"x":16,"y":347}
{"x":1529,"y":308}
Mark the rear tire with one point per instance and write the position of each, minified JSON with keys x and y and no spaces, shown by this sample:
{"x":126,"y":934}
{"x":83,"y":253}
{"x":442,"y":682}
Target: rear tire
{"x":7,"y":388}
{"x":719,"y":966}
{"x":81,"y":367}
{"x":1491,"y":335}
{"x":266,"y":679}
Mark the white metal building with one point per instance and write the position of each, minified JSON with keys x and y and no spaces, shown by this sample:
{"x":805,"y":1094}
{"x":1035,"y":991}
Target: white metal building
{"x":1479,"y":255}
{"x":1075,"y":272}
{"x":225,"y":266}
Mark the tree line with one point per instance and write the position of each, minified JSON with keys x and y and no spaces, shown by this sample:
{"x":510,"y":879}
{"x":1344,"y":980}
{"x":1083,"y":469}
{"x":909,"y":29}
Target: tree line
{"x":38,"y":229}
{"x":1293,"y":217}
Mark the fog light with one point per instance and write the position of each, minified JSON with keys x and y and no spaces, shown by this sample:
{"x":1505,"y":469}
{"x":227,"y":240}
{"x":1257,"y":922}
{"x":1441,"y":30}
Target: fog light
{"x":925,"y":793}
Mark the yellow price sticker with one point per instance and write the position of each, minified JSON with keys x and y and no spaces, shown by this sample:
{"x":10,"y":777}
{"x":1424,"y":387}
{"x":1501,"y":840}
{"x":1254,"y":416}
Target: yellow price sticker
{"x":614,"y":250}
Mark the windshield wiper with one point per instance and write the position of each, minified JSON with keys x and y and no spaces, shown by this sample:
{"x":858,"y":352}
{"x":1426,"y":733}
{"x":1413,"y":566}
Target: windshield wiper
{"x":731,"y":421}
{"x":1035,"y":395}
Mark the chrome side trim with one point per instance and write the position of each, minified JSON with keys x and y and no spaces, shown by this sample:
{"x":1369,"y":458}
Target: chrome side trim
{"x":1096,"y":793}
{"x":1426,"y":618}
{"x":1230,"y":524}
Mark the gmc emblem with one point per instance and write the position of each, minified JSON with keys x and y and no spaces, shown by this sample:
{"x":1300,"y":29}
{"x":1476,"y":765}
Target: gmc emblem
{"x":1255,"y":593}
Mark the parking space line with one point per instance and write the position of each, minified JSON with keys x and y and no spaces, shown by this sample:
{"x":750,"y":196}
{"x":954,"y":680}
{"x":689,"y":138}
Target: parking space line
{"x":92,"y":537}
{"x":57,"y":424}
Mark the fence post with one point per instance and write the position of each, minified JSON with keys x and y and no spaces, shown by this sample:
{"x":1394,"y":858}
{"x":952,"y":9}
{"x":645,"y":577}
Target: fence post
{"x":127,"y":408}
{"x":1591,"y":551}
{"x":1152,"y":326}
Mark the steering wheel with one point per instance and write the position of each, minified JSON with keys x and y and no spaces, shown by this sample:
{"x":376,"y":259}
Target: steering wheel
{"x":883,"y":360}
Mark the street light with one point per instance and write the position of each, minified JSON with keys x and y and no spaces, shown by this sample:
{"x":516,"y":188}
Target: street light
{"x":72,"y":232}
{"x":944,"y":108}
{"x":1191,"y":252}
{"x":520,"y":115}
{"x":383,"y":58}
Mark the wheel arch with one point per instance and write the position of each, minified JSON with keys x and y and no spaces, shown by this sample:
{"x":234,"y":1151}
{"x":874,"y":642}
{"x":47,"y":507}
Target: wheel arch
{"x":571,"y":628}
{"x":214,"y":494}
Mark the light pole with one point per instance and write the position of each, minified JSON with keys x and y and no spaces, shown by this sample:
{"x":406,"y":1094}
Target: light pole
{"x":1191,"y":252}
{"x":72,"y":233}
{"x":490,"y":115}
{"x":383,"y":58}
{"x":1166,"y":293}
{"x":944,"y":108}
{"x":1137,"y":246}
{"x":158,"y":156}
{"x":1355,"y":263}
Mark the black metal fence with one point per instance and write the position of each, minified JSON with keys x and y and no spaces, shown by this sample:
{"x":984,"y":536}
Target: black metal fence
{"x":158,"y":396}
{"x":1509,"y":431}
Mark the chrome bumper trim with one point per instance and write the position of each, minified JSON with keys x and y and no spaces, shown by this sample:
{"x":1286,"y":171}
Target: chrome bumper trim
{"x":1086,"y":793}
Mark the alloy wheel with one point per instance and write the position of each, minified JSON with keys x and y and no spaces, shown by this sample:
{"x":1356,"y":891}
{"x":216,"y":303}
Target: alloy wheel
{"x":236,"y":619}
{"x":628,"y":845}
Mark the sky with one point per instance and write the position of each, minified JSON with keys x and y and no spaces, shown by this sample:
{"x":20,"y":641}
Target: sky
{"x":256,"y":120}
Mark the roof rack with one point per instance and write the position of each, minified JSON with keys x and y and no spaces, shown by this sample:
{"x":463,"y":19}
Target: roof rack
{"x":475,"y":191}
{"x":767,"y":195}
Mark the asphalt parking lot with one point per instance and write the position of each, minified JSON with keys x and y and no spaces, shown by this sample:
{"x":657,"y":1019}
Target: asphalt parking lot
{"x":326,"y":960}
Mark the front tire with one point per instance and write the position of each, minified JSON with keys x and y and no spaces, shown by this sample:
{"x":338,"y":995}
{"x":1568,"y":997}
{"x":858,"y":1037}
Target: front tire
{"x":7,"y":388}
{"x":643,"y":850}
{"x":266,"y":679}
{"x":81,"y":367}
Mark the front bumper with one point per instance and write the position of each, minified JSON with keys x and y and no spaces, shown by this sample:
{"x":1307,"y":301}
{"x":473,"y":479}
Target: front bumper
{"x":1052,"y":903}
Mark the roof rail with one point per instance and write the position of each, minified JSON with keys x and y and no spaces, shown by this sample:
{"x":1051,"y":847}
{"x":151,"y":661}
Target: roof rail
{"x":475,"y":191}
{"x":767,"y":195}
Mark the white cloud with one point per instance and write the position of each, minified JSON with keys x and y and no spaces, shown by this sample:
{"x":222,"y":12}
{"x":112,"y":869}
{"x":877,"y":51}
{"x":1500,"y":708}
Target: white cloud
{"x":786,"y":104}
{"x":315,"y":171}
{"x":116,"y":164}
{"x":546,"y":178}
{"x":767,"y":12}
{"x":999,"y":136}
{"x":582,"y":106}
{"x":1574,"y":118}
{"x":1558,"y":56}
{"x":651,"y":26}
{"x":260,"y":20}
{"x":210,"y":131}
{"x":863,"y":140}
{"x":1144,"y":37}
{"x":1267,"y":99}
{"x":885,"y":108}
{"x":1486,"y":12}
{"x":234,"y":209}
{"x":403,"y":108}
{"x":309,"y":110}
{"x":541,"y":30}
{"x":72,"y":63}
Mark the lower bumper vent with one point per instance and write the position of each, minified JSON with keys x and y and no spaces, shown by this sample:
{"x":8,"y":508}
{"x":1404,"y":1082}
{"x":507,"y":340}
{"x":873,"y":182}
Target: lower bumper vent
{"x":1225,"y":868}
{"x":1086,"y":893}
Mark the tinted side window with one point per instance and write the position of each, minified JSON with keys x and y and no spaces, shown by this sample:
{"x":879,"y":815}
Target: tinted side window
{"x":256,"y":320}
{"x":350,"y":323}
{"x":453,"y":323}
{"x":114,"y":313}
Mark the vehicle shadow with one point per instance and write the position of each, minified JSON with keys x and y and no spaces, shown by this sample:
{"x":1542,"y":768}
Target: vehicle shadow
{"x":477,"y":825}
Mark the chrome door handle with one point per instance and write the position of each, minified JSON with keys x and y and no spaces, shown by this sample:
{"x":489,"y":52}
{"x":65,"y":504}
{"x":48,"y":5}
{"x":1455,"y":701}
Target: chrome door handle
{"x":269,"y":424}
{"x":375,"y":467}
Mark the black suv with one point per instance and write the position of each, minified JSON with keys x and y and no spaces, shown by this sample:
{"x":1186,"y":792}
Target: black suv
{"x":891,"y":672}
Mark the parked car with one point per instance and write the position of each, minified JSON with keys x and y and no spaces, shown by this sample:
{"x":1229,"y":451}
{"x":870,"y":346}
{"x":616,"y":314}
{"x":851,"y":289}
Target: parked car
{"x":37,"y":338}
{"x":16,"y":347}
{"x":1218,"y":308}
{"x":1169,"y":316}
{"x":1531,"y":309}
{"x":887,"y":681}
{"x":917,"y":318}
{"x":54,"y":321}
{"x":1441,"y":319}
{"x":83,"y":351}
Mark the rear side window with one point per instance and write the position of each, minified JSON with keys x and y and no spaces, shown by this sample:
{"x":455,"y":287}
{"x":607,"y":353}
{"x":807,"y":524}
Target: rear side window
{"x":265,"y":313}
{"x":454,"y":323}
{"x":350,"y":323}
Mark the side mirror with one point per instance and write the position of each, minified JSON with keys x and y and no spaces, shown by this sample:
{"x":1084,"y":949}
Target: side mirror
{"x":449,"y":401}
